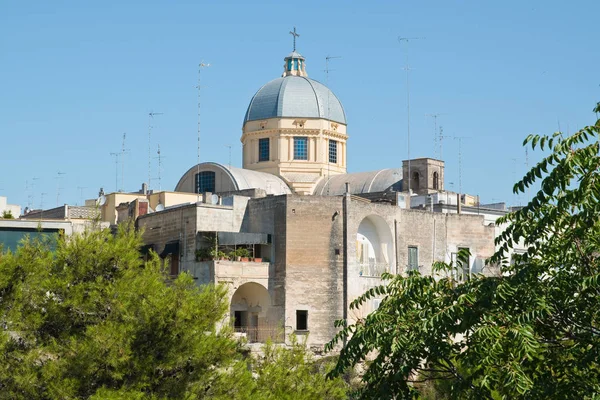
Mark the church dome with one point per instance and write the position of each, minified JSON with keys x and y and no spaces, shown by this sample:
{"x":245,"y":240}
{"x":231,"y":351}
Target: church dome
{"x":295,"y":96}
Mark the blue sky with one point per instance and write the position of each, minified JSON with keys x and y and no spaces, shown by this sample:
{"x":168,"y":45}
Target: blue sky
{"x":75,"y":76}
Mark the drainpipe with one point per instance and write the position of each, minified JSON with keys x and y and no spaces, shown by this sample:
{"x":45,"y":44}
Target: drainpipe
{"x":345,"y":203}
{"x":396,"y":245}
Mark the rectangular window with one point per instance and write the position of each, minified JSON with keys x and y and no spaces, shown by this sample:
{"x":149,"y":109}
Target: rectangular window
{"x":263,"y":149}
{"x":301,"y":320}
{"x":301,"y":148}
{"x":462,"y":267}
{"x":333,"y":151}
{"x":205,"y":182}
{"x":413,"y":258}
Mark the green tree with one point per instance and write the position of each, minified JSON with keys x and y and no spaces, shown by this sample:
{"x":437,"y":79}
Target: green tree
{"x":291,"y":373}
{"x":92,"y":320}
{"x":532,"y":333}
{"x":7,"y":214}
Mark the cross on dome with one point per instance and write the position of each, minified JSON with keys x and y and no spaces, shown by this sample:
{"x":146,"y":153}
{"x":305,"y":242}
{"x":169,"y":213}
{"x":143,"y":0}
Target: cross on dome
{"x":295,"y":35}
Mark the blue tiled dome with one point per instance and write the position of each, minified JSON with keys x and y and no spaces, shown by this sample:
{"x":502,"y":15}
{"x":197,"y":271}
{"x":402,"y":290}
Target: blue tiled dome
{"x":295,"y":96}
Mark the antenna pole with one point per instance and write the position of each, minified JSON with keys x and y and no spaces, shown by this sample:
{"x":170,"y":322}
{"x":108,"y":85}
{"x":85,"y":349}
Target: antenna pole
{"x":159,"y":168}
{"x":58,"y":179}
{"x":435,"y":134}
{"x":116,"y":155}
{"x":460,"y":139}
{"x":150,"y":119}
{"x":123,"y":151}
{"x":196,"y":181}
{"x":229,"y":147}
{"x":407,"y":69}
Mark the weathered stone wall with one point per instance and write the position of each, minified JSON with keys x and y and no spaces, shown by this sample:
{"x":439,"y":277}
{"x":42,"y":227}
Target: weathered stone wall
{"x":313,"y":270}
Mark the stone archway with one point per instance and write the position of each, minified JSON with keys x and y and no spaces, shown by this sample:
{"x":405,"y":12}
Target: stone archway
{"x":374,"y":246}
{"x":250,"y":308}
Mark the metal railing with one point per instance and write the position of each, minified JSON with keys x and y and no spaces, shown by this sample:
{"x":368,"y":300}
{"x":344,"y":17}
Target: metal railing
{"x":373,"y":269}
{"x":261,"y":334}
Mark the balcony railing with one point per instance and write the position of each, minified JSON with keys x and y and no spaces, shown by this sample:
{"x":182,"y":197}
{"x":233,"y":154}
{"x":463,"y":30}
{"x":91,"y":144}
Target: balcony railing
{"x":261,"y":334}
{"x":373,"y":269}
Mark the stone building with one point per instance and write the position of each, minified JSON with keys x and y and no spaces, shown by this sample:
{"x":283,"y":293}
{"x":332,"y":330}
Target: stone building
{"x":295,"y":237}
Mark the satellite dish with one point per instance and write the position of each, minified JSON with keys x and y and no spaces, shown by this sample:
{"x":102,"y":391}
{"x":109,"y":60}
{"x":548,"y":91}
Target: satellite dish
{"x":214,"y":199}
{"x":100,"y":201}
{"x":159,"y":207}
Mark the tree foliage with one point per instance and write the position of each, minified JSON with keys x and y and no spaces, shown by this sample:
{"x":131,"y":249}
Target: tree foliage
{"x":533,"y":332}
{"x":91,"y":318}
{"x":291,"y":373}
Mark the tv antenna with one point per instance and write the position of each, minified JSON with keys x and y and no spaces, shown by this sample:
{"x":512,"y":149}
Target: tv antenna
{"x":42,"y":201}
{"x":441,"y":138}
{"x":159,"y":157}
{"x":229,"y":147}
{"x":435,"y":132}
{"x":201,"y":66}
{"x":58,"y":178}
{"x":407,"y":69}
{"x":150,"y":119}
{"x":328,"y":115}
{"x":117,"y":156}
{"x":123,"y":151}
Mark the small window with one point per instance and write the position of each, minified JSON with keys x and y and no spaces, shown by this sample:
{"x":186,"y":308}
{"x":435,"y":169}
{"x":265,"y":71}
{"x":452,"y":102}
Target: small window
{"x":263,"y":149}
{"x":205,"y":182}
{"x":413,"y":258}
{"x":436,"y":178}
{"x":333,"y":151}
{"x":289,"y":64}
{"x":301,"y":148}
{"x":301,"y":320}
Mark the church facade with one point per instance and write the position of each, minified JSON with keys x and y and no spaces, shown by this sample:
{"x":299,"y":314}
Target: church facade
{"x":293,"y":236}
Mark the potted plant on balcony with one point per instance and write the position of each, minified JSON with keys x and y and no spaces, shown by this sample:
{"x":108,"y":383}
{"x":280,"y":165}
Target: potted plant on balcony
{"x":203,"y":254}
{"x":221,"y":255}
{"x":243,"y":254}
{"x":258,"y":259}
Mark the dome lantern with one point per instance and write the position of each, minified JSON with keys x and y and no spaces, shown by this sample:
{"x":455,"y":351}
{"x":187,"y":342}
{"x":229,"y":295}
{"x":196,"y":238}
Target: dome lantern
{"x":294,"y":65}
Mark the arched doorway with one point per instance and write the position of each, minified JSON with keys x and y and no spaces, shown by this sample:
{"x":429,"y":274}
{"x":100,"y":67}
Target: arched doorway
{"x":250,"y":306}
{"x":374,"y":246}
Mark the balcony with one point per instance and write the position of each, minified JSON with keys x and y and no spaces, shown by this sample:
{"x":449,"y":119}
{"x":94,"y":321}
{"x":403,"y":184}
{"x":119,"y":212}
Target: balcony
{"x":373,"y":270}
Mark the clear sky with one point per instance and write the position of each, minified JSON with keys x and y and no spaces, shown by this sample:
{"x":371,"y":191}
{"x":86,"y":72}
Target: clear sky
{"x":76,"y":75}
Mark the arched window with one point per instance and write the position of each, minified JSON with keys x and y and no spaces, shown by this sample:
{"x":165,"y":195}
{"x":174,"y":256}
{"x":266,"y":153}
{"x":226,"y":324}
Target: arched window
{"x":205,"y":182}
{"x":436,"y":183}
{"x":414,"y":184}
